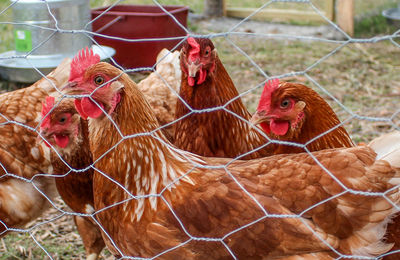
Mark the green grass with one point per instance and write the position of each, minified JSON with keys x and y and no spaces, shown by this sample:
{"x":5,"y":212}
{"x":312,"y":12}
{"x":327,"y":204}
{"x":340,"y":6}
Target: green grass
{"x":59,"y":238}
{"x":23,"y":247}
{"x":6,"y":36}
{"x":366,"y":7}
{"x":373,"y":25}
{"x":371,"y":22}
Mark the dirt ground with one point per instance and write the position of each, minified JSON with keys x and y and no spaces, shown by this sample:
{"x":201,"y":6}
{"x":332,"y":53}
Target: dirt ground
{"x":226,"y":24}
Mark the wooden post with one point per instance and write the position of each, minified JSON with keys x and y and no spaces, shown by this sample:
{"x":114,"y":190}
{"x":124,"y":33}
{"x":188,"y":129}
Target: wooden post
{"x":213,"y":8}
{"x":330,"y":9}
{"x":224,"y":7}
{"x":345,"y":15}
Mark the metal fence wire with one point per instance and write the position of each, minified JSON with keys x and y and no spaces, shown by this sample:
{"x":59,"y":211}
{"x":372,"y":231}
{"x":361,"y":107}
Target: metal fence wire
{"x":226,"y":36}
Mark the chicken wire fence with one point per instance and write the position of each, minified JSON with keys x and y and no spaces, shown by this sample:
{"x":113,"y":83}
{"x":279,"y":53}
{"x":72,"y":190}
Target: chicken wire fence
{"x":226,"y":36}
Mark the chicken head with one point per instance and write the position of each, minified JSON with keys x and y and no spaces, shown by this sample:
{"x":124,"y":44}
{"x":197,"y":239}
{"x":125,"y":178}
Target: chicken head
{"x":278,"y":112}
{"x":58,"y":129}
{"x":197,"y":59}
{"x":101,"y":89}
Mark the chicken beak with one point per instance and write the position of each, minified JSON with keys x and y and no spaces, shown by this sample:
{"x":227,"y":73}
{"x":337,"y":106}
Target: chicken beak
{"x":69,"y":88}
{"x":193,"y":68}
{"x":259,"y":117}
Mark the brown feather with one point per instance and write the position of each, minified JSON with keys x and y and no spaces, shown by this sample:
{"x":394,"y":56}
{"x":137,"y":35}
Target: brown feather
{"x":387,"y":147}
{"x":218,"y":133}
{"x":20,"y":202}
{"x":157,"y":89}
{"x":76,"y":188}
{"x":210,"y":204}
{"x":320,"y":118}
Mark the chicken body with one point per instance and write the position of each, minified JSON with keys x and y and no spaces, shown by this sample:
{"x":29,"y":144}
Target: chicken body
{"x":76,"y":189}
{"x":280,"y":206}
{"x":390,"y":152}
{"x":158,"y":88}
{"x":64,"y":127}
{"x":318,"y":122}
{"x":205,"y":84}
{"x":20,"y":201}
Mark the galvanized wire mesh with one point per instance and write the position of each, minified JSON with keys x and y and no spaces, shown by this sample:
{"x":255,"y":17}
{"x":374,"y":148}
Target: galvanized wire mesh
{"x":227,"y":36}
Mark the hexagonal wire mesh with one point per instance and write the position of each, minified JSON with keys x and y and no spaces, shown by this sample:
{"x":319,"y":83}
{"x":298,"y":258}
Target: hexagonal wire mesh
{"x":230,"y":38}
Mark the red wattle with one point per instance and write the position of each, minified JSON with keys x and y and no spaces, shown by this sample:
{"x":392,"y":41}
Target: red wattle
{"x":265,"y":127}
{"x":202,"y":76}
{"x":90,"y":108}
{"x":279,"y":127}
{"x":78,"y":106}
{"x":191,"y":81}
{"x":61,"y":140}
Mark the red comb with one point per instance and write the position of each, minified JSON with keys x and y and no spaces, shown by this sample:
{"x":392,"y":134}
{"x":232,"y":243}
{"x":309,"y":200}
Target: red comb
{"x":47,"y":105}
{"x":194,"y":53}
{"x":265,"y":99}
{"x":81,"y":62}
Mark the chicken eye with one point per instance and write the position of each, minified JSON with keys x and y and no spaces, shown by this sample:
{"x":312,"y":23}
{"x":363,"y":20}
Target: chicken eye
{"x":285,"y":103}
{"x":62,"y":120}
{"x":207,"y":52}
{"x":99,"y":80}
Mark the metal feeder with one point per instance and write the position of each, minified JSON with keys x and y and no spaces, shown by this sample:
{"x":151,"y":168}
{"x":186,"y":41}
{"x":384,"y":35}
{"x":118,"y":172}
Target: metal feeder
{"x":393,"y":15}
{"x":39,"y":45}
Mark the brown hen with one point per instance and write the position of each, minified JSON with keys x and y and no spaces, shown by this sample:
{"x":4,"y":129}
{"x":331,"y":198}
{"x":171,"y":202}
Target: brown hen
{"x":295,"y":113}
{"x":20,"y":201}
{"x":205,"y":84}
{"x":67,"y":133}
{"x":159,"y":204}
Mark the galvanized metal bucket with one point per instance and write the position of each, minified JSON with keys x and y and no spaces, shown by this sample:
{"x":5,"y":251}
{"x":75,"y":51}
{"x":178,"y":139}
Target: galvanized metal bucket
{"x":35,"y":29}
{"x":36,"y":34}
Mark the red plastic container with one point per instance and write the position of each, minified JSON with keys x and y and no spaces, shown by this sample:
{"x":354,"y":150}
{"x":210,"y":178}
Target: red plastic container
{"x":138,"y":22}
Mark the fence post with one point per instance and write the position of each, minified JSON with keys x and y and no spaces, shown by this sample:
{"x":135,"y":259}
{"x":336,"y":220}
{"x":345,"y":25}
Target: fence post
{"x":213,"y":8}
{"x":330,"y":9}
{"x":345,"y":15}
